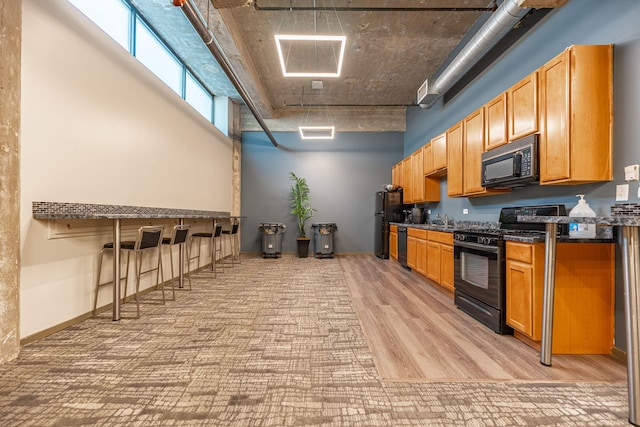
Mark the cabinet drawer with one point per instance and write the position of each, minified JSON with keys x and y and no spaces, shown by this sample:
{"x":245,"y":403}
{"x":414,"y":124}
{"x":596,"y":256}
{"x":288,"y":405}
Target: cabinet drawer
{"x":417,"y":233}
{"x":393,"y":229}
{"x":440,"y":237}
{"x":520,"y":252}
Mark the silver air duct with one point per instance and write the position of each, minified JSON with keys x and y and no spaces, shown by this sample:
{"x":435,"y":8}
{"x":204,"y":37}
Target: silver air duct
{"x":500,"y":23}
{"x":199,"y":24}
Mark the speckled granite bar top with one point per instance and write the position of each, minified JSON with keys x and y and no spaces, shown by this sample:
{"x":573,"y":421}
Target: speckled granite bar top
{"x":62,"y":210}
{"x":602,"y":220}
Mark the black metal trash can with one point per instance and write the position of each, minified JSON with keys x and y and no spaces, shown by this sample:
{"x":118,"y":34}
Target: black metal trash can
{"x":272,"y":239}
{"x":323,"y":238}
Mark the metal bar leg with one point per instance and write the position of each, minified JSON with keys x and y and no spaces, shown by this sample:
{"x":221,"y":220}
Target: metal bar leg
{"x":116,"y":269}
{"x":548,"y":294}
{"x":181,"y":262}
{"x":631,"y":271}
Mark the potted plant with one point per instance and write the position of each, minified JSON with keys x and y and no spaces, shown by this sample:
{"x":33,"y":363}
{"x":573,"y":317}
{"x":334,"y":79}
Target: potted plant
{"x":300,"y":207}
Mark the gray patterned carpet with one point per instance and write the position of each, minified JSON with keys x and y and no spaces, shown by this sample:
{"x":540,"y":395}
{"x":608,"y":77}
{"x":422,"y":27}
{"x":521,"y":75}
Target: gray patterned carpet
{"x":268,"y":343}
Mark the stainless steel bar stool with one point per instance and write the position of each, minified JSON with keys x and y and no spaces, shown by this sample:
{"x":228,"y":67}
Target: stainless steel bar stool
{"x":149,"y":238}
{"x":178,"y":237}
{"x":216,"y":247}
{"x":234,"y":243}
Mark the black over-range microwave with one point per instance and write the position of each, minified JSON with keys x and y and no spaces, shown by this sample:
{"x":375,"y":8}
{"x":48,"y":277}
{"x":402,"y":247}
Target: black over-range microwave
{"x":511,"y":165}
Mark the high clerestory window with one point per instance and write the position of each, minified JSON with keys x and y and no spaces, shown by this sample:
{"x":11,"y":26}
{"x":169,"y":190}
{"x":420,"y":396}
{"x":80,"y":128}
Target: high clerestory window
{"x":122,"y":23}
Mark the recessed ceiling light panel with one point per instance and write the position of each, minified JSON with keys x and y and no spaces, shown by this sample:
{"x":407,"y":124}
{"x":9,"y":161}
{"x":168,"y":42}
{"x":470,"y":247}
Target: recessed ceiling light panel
{"x":297,"y":53}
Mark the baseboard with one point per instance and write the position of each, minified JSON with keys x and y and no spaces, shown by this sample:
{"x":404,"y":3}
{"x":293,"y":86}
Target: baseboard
{"x":61,"y":326}
{"x":618,"y":354}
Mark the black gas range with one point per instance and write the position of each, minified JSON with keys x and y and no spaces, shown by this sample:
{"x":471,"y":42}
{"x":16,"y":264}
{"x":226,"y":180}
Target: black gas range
{"x":479,"y":264}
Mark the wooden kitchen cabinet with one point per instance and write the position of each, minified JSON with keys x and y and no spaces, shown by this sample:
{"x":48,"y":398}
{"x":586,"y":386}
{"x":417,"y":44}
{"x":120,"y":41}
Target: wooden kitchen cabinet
{"x":407,"y":181}
{"x":454,"y":153}
{"x":393,"y":242}
{"x":584,"y":295}
{"x":395,"y":174}
{"x":439,"y":153}
{"x":576,"y":106}
{"x":417,"y":177}
{"x":421,"y":256}
{"x":416,"y":249}
{"x":440,"y":258}
{"x":427,"y":159}
{"x":495,"y":113}
{"x":522,"y":104}
{"x":473,"y":147}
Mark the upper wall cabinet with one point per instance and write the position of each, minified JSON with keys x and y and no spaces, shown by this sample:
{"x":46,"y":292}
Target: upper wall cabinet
{"x":439,"y":150}
{"x":435,"y":156}
{"x":522,"y":104}
{"x":407,"y":181}
{"x":495,"y":113}
{"x":576,"y":110}
{"x":473,"y":143}
{"x":454,"y":149}
{"x":417,"y":177}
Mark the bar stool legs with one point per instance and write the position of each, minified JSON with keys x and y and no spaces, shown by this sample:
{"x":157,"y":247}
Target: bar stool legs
{"x":234,"y":243}
{"x":148,"y":238}
{"x":178,"y":237}
{"x":216,"y":247}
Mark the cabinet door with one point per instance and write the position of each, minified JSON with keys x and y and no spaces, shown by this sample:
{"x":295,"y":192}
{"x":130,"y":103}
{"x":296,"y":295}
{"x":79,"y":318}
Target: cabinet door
{"x":421,"y":256}
{"x":495,"y":112}
{"x":433,"y":261}
{"x":393,"y":245}
{"x":454,"y":150}
{"x":446,"y":266}
{"x":427,"y":159}
{"x":522,"y":104}
{"x":576,"y":116}
{"x":417,"y":173}
{"x":520,"y":296}
{"x":473,"y":148}
{"x":407,"y":192}
{"x":554,"y":141}
{"x":439,"y":146}
{"x":412,"y":251}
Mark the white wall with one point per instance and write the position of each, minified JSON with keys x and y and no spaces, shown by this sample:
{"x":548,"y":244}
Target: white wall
{"x":97,"y":127}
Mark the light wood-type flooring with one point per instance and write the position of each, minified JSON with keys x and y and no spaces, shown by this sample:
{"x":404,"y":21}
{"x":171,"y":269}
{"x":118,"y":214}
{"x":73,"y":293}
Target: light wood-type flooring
{"x":415,"y":332}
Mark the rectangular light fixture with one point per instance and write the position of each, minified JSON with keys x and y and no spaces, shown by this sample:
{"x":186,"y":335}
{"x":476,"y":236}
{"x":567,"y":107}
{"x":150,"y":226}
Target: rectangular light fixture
{"x":303,"y":40}
{"x":317,"y":132}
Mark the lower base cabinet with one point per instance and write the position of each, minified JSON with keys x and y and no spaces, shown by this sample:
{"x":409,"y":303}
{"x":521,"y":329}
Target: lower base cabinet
{"x":416,"y":245}
{"x":583,"y":301}
{"x":430,"y":253}
{"x":440,"y":258}
{"x":393,"y":242}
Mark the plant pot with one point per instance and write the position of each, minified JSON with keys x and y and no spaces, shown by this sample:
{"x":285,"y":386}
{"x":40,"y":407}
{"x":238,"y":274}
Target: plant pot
{"x":303,"y":246}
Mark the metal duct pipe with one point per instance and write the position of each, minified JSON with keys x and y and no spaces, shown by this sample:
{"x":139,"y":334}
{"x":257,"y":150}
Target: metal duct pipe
{"x":199,"y":24}
{"x":503,"y":19}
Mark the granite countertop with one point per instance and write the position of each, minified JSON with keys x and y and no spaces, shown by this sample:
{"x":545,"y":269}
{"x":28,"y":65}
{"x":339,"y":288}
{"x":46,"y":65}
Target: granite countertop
{"x":602,"y":220}
{"x":63,"y":210}
{"x":604,"y":234}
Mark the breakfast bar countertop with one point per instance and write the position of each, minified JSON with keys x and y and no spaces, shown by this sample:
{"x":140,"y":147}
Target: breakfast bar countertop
{"x":63,"y":210}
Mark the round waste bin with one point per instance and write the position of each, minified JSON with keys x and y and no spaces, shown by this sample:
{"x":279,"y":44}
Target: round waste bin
{"x":272,"y":239}
{"x":323,"y":239}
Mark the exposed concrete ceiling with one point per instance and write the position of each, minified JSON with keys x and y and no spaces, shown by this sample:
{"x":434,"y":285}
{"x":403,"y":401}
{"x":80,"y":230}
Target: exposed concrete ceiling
{"x":391,"y":48}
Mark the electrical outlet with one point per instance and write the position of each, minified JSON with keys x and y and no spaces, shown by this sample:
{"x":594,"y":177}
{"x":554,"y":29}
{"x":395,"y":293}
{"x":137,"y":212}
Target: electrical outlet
{"x":465,"y":211}
{"x":429,"y":211}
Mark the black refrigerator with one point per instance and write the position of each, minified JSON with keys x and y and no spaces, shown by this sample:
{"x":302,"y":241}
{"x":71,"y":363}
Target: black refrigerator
{"x":389,"y":208}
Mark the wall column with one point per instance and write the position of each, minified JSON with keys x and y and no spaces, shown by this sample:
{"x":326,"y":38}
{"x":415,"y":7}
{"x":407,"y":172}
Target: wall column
{"x":10,"y":69}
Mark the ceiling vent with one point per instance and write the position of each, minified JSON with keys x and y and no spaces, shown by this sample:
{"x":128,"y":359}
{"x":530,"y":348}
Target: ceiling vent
{"x":422,"y":92}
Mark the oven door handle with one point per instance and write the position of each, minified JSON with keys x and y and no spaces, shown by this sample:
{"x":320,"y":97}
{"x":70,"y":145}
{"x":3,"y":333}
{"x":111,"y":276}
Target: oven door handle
{"x":490,"y":249}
